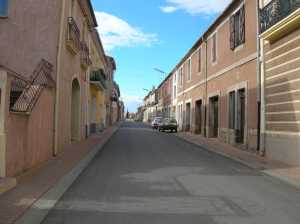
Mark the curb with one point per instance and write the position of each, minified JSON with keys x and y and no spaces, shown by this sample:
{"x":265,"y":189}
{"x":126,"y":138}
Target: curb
{"x":40,"y":209}
{"x":265,"y":172}
{"x":206,"y":148}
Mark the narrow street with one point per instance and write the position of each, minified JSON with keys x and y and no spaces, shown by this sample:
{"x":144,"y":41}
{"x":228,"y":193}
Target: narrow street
{"x":143,"y":176}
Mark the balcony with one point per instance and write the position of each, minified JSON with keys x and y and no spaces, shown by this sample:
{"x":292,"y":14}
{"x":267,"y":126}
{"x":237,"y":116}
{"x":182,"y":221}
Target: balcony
{"x":25,"y":93}
{"x":279,"y":18}
{"x":73,"y":36}
{"x":85,"y":56}
{"x":98,"y":78}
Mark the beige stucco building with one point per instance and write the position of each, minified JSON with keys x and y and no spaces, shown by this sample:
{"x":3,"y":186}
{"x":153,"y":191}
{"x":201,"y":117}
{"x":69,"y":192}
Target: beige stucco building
{"x":280,"y":69}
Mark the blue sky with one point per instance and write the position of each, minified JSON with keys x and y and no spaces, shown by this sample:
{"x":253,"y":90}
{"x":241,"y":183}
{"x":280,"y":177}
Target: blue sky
{"x":144,"y":34}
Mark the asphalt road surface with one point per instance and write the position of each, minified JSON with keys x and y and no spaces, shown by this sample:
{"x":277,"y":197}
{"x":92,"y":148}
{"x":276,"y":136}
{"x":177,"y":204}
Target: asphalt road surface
{"x":146,"y":177}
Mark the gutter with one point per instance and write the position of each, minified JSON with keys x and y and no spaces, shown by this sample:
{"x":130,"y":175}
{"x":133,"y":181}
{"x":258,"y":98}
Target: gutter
{"x":58,"y":68}
{"x":258,"y":82}
{"x":206,"y":100}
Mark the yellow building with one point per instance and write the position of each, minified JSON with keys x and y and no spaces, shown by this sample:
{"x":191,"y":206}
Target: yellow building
{"x":97,"y":87}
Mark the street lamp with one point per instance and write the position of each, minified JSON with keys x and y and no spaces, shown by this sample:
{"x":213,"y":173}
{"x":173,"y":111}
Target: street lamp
{"x":160,"y":71}
{"x":147,"y":90}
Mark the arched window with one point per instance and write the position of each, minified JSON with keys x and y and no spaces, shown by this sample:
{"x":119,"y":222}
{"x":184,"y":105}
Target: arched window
{"x":4,"y":8}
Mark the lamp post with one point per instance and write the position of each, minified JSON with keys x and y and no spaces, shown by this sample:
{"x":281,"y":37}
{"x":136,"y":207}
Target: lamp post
{"x":160,"y":71}
{"x":147,"y":90}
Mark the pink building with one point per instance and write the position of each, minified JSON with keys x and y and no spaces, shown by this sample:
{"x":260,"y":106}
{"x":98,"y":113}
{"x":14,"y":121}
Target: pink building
{"x":44,"y":67}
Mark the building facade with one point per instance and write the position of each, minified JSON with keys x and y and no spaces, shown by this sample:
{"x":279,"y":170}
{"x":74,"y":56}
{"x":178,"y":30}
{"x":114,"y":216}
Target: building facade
{"x":280,"y":69}
{"x":150,"y":110}
{"x":45,"y":80}
{"x":98,"y":86}
{"x":110,"y":71}
{"x":217,"y":79}
{"x":214,"y":90}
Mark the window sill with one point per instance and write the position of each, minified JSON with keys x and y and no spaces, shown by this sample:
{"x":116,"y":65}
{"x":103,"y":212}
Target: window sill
{"x":238,"y":48}
{"x":214,"y":63}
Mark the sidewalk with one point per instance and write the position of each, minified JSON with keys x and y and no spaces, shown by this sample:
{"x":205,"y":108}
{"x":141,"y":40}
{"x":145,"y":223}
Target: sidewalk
{"x":284,"y":172}
{"x":37,"y":182}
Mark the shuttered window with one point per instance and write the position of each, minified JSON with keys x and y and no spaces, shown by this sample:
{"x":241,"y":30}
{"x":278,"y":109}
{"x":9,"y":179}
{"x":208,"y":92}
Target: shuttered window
{"x":4,"y":8}
{"x":237,"y":28}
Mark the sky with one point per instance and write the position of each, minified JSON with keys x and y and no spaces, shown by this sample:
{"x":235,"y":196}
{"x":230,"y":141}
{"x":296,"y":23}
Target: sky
{"x":145,"y":34}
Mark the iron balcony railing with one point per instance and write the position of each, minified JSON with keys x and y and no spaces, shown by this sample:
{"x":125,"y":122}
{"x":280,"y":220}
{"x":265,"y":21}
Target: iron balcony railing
{"x":98,"y":76}
{"x":275,"y":11}
{"x":73,"y":36}
{"x":85,"y":55}
{"x":25,"y":93}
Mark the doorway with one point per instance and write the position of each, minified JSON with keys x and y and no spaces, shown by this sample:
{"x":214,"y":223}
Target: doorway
{"x":214,"y":117}
{"x":93,"y":113}
{"x":188,"y":117}
{"x":75,"y":111}
{"x":240,"y":126}
{"x":198,"y":117}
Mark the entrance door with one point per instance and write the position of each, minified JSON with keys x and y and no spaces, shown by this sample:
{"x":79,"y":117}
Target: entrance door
{"x":198,"y":117}
{"x":188,"y":117}
{"x":214,"y":117}
{"x":240,"y":131}
{"x":75,"y":111}
{"x":93,"y":113}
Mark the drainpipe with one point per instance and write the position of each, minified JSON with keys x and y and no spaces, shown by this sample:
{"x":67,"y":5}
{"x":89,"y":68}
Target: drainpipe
{"x":206,"y":101}
{"x":258,"y":79}
{"x":58,"y":75}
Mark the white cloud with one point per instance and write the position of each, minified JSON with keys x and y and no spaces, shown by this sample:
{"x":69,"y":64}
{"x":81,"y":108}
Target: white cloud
{"x":116,"y":32}
{"x":193,"y":7}
{"x":168,"y":9}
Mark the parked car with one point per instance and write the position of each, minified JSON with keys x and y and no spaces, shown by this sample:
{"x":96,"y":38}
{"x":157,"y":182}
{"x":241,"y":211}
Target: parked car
{"x":169,"y":124}
{"x":155,"y":122}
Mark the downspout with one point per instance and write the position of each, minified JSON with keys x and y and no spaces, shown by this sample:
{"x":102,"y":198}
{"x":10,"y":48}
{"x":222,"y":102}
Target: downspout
{"x":258,"y":79}
{"x":58,"y":76}
{"x":206,"y":100}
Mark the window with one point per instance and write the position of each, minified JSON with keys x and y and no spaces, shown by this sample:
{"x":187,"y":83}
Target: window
{"x":174,"y":92}
{"x":232,"y":110}
{"x":199,"y":60}
{"x":214,"y":48}
{"x":189,"y":70}
{"x":181,"y":76}
{"x":237,"y":28}
{"x":4,"y":8}
{"x":72,"y":8}
{"x":84,"y":31}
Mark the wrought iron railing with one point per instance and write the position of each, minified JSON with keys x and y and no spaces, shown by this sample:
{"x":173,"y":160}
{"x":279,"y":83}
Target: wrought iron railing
{"x":73,"y":35}
{"x":275,"y":11}
{"x":25,"y":93}
{"x":85,"y":55}
{"x":98,"y":76}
